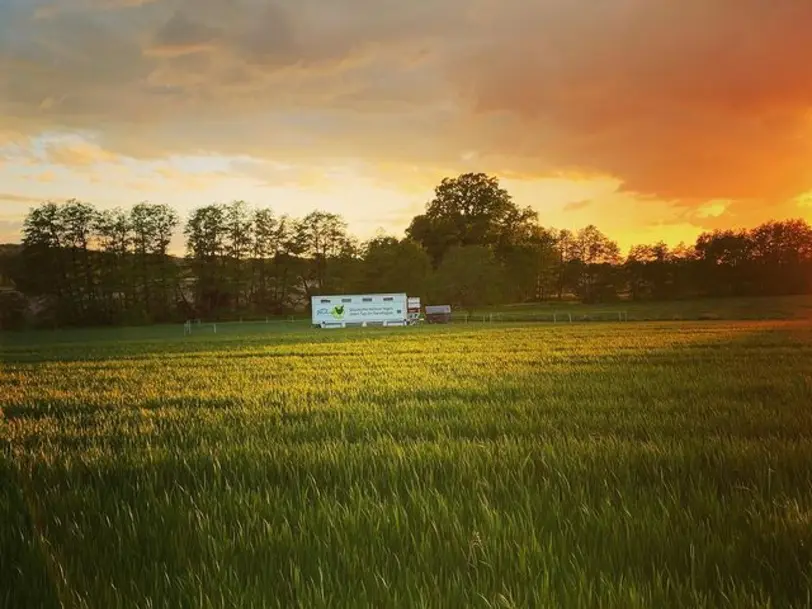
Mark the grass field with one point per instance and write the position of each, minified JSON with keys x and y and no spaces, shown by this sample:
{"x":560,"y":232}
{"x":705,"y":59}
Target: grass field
{"x":754,"y":308}
{"x":577,"y":465}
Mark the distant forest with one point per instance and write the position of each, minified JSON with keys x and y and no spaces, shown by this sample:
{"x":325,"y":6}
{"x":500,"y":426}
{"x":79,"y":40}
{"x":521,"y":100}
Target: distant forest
{"x":473,"y":246}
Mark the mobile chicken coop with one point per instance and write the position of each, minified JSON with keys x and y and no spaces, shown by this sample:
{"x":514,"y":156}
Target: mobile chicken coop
{"x":438,"y":314}
{"x":340,"y":311}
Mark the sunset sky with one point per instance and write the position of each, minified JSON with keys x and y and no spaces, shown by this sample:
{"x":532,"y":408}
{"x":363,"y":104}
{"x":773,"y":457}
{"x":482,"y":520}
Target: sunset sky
{"x":652,"y":119}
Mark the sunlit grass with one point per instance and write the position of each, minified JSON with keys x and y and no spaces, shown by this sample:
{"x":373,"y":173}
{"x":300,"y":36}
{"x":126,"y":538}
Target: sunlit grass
{"x":616,"y":465}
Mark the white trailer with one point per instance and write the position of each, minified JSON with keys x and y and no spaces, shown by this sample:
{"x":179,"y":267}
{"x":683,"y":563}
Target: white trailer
{"x":339,"y":311}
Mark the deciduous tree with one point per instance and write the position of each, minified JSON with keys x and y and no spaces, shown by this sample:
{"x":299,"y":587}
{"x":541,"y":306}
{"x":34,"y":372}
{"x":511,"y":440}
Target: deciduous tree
{"x":471,"y":209}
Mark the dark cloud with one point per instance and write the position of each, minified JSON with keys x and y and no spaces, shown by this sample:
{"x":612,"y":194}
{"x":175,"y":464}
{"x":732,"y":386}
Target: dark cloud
{"x":110,"y":70}
{"x":182,"y":34}
{"x":269,"y":37}
{"x":59,"y":7}
{"x":67,"y":70}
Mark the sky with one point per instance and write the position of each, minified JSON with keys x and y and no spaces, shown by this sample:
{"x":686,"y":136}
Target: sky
{"x":654,"y":120}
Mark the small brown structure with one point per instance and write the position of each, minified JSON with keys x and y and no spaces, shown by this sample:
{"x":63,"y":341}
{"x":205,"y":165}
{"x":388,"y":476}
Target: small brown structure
{"x":438,"y":314}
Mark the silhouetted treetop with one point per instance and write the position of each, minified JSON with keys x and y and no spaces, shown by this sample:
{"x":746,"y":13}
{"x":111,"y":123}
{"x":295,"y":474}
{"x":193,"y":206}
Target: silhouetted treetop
{"x":471,"y":209}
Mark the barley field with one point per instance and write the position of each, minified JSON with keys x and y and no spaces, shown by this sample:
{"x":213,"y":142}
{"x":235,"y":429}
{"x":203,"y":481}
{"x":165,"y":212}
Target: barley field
{"x":612,"y":465}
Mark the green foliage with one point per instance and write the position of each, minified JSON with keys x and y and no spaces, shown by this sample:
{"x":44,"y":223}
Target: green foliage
{"x":323,"y":240}
{"x":391,"y":265}
{"x":13,"y":308}
{"x":603,"y":465}
{"x":774,"y":258}
{"x":467,"y":277}
{"x":531,"y":267}
{"x":99,"y":267}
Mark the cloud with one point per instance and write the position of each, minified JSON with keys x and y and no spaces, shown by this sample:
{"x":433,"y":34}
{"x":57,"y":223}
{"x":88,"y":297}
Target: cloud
{"x":676,"y":99}
{"x":44,"y":177}
{"x":9,"y":197}
{"x":47,"y":11}
{"x":317,"y":177}
{"x":215,"y":65}
{"x":10,"y":137}
{"x":577,"y":205}
{"x":185,"y":180}
{"x":74,"y":152}
{"x":181,"y":35}
{"x":712,"y":209}
{"x":679,"y":102}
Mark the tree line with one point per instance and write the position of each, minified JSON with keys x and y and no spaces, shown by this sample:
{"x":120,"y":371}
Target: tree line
{"x":472,"y":246}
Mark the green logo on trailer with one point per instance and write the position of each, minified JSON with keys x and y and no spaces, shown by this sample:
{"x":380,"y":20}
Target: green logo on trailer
{"x":338,"y":312}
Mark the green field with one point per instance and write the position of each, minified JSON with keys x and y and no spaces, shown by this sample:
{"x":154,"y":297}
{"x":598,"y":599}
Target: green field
{"x":660,"y":464}
{"x":753,"y":308}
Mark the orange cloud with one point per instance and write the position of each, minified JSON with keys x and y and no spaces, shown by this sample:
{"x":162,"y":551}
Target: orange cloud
{"x":577,"y":205}
{"x":10,"y":137}
{"x":677,"y":100}
{"x":44,"y":176}
{"x":712,"y":209}
{"x":77,"y":153}
{"x":188,"y":181}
